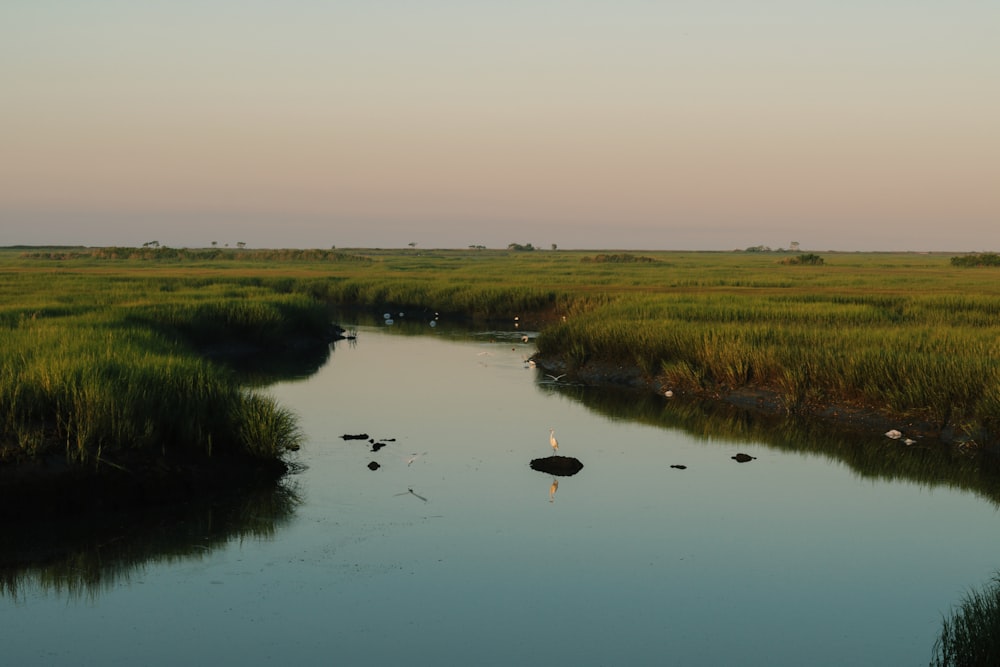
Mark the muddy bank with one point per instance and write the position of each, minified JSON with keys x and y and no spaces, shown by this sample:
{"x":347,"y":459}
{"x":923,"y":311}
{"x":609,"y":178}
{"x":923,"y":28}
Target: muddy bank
{"x":763,"y":400}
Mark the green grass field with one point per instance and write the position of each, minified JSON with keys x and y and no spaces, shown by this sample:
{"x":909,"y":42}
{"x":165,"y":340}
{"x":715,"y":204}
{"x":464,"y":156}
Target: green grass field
{"x":101,"y":347}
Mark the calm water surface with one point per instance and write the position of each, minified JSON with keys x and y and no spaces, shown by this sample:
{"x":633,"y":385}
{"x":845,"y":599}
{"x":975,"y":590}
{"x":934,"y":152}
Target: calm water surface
{"x":466,"y":556}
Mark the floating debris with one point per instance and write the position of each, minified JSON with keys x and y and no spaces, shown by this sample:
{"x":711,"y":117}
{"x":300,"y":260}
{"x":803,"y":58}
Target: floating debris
{"x":743,"y":458}
{"x":411,"y":492}
{"x":679,"y":467}
{"x":359,"y":436}
{"x":373,"y":466}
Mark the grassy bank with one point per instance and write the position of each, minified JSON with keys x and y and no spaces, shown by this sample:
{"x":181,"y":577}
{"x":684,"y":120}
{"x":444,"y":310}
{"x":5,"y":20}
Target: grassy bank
{"x":107,"y":369}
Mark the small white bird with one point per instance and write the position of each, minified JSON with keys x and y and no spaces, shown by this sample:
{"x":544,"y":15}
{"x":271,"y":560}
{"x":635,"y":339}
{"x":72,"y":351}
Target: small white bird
{"x":553,"y":441}
{"x":894,"y":434}
{"x":555,"y":378}
{"x":414,"y":457}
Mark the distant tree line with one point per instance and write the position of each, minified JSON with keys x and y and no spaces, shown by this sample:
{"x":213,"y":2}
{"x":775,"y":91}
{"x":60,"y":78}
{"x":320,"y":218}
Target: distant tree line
{"x":161,"y":253}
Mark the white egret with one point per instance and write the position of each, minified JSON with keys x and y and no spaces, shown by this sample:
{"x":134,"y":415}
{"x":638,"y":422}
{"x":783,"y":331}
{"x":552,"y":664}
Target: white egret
{"x":553,"y":441}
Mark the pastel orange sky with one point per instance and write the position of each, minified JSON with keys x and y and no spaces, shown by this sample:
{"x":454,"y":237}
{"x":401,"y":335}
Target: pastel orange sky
{"x":672,"y":125}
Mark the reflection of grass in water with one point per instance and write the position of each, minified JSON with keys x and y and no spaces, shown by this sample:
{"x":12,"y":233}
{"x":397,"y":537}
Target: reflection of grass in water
{"x":971,"y":635}
{"x":85,"y":556}
{"x":874,"y":457}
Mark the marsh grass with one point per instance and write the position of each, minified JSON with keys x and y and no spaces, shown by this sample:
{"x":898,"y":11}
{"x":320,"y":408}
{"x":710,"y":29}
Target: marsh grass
{"x":99,"y":367}
{"x":905,"y":334}
{"x":970,"y":636}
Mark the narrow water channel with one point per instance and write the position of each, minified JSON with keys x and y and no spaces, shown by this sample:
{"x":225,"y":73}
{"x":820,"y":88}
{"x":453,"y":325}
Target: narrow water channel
{"x":455,"y":552}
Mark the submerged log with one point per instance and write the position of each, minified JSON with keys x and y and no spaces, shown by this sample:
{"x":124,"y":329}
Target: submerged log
{"x":557,"y":465}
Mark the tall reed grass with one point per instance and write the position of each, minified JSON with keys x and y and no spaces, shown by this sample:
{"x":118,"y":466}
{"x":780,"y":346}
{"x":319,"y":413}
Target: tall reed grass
{"x":927,"y":357}
{"x":104,"y":368}
{"x":970,"y":636}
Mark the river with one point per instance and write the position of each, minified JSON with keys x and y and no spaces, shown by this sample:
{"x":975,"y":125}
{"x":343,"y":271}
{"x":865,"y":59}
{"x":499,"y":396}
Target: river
{"x":454,"y":551}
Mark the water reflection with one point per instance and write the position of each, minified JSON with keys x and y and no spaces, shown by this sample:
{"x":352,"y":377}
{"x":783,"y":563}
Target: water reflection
{"x":553,"y":489}
{"x":84,"y":556}
{"x":869,"y":455}
{"x":255,"y":369}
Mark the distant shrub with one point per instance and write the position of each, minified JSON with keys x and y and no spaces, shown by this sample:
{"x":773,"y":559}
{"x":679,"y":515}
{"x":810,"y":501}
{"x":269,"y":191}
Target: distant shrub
{"x":619,"y":259}
{"x":977,"y":259}
{"x":807,"y":258}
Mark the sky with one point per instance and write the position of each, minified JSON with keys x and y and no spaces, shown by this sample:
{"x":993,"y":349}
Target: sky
{"x":626,"y":124}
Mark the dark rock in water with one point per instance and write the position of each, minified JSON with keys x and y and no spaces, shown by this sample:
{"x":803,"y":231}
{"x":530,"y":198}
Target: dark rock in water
{"x":373,"y":466}
{"x":679,"y":467}
{"x":359,"y":436}
{"x":557,"y":465}
{"x":377,"y":446}
{"x":743,"y":458}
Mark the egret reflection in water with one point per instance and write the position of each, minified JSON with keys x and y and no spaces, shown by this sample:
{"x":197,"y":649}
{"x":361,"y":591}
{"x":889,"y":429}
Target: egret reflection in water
{"x":553,"y":489}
